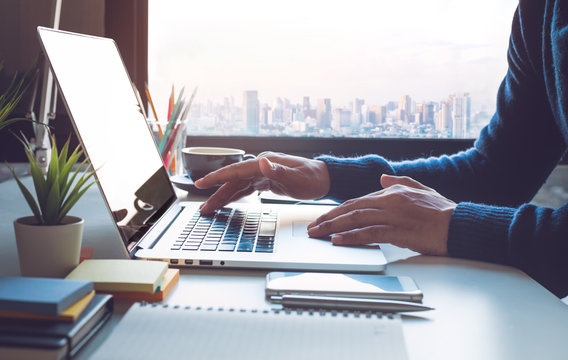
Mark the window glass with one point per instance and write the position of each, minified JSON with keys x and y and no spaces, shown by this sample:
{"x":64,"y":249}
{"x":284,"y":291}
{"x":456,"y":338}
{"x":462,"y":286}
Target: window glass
{"x":358,"y":68}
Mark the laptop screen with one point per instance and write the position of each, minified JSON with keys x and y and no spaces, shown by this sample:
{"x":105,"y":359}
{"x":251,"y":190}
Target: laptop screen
{"x":112,"y":128}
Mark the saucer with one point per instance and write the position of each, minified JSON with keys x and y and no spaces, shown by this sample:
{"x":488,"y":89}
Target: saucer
{"x":184,"y":182}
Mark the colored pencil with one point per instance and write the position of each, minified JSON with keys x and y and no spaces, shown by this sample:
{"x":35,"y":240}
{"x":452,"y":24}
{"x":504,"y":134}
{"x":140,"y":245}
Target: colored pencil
{"x":171,"y":123}
{"x":153,"y":109}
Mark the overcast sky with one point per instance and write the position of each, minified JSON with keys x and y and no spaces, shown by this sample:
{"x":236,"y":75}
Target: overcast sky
{"x":372,"y":49}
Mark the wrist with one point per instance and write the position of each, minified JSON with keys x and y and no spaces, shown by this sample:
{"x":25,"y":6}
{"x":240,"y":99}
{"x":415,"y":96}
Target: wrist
{"x":322,"y":175}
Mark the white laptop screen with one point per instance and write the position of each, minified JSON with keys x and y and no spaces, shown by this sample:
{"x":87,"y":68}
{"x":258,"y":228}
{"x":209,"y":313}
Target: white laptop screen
{"x":106,"y":114}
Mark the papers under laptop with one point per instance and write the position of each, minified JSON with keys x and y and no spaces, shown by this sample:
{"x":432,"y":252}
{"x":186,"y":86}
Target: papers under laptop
{"x":150,"y":220}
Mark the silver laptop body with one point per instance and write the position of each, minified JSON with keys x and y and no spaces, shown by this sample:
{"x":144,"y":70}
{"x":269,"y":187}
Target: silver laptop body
{"x":149,"y":219}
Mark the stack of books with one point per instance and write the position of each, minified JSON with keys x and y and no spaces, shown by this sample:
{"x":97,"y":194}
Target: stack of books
{"x":128,"y":279}
{"x":48,"y":318}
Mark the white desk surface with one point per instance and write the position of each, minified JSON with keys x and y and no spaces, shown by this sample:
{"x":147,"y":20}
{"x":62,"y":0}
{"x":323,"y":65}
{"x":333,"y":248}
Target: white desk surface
{"x":483,"y":311}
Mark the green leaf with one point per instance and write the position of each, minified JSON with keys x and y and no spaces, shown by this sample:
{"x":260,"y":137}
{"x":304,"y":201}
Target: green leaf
{"x":72,"y":200}
{"x":63,"y":157}
{"x":66,"y":170}
{"x":53,"y":169}
{"x":28,"y":196}
{"x":53,"y":205}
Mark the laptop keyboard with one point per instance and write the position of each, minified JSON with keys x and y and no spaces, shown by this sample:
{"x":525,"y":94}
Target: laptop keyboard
{"x":241,"y":230}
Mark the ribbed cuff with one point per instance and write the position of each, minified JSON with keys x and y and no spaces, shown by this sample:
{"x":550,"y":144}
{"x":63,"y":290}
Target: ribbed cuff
{"x":480,"y":232}
{"x":354,"y":177}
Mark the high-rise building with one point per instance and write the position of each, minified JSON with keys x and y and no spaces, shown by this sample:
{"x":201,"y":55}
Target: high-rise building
{"x":428,"y":110}
{"x":278,"y":111}
{"x":324,"y":114}
{"x":405,"y":108}
{"x":306,"y":104}
{"x":341,"y":118}
{"x":444,"y":118}
{"x":375,"y":114}
{"x":461,"y":115}
{"x":357,"y":112}
{"x":251,"y":111}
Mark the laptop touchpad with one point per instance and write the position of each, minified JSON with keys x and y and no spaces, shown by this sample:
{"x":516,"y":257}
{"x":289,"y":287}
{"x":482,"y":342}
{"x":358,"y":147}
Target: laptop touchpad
{"x":300,"y":229}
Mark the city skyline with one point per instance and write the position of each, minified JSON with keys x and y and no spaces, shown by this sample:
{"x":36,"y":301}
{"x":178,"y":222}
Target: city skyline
{"x":364,"y":49}
{"x":405,"y":117}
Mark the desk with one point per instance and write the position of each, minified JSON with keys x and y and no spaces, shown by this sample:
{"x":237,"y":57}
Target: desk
{"x":483,"y":311}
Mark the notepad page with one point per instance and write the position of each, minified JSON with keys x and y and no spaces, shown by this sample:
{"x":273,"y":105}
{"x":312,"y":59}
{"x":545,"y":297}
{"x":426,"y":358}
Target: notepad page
{"x":155,"y":331}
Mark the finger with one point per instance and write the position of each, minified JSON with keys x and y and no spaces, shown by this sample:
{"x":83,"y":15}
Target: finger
{"x":368,"y":235}
{"x":241,"y":194}
{"x":241,"y":170}
{"x":221,"y":197}
{"x":390,"y":180}
{"x":365,"y":202}
{"x":358,"y":218}
{"x":278,"y":173}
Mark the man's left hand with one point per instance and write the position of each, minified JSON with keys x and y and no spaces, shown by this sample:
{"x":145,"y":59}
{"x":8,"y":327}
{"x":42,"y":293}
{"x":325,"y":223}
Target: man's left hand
{"x":405,"y":213}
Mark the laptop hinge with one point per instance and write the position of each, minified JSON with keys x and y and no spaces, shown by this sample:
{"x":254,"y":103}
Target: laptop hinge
{"x":159,"y":228}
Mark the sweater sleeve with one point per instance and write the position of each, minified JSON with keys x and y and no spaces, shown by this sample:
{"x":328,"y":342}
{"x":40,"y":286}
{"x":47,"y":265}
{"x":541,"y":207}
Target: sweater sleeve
{"x":494,"y":181}
{"x":533,"y":239}
{"x":354,"y":177}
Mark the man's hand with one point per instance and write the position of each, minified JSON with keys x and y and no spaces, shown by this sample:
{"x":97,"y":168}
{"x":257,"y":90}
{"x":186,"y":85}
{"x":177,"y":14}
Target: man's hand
{"x":405,"y":213}
{"x":294,"y":176}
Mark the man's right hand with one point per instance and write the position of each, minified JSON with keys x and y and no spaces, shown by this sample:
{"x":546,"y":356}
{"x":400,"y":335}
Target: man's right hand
{"x":294,"y":176}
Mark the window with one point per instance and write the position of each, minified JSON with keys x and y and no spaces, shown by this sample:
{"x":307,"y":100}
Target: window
{"x":349,"y":69}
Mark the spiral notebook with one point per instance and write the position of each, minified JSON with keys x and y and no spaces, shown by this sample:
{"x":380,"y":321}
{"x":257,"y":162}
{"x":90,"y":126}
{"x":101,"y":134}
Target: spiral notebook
{"x":162,"y":331}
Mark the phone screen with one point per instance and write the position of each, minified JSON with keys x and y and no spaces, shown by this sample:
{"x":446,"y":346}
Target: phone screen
{"x":379,"y":286}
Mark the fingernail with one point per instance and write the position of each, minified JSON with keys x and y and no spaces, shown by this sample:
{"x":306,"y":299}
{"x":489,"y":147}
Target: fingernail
{"x":336,"y":238}
{"x":312,"y":231}
{"x":271,"y":164}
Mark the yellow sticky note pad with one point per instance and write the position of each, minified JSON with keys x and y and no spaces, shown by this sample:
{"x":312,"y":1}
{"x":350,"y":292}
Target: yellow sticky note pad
{"x":121,"y":275}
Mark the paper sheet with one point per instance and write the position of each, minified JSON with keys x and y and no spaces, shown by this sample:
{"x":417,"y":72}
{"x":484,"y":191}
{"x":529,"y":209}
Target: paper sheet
{"x":155,"y":331}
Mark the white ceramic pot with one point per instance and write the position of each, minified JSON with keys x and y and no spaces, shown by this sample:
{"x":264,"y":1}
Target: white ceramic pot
{"x":48,"y":250}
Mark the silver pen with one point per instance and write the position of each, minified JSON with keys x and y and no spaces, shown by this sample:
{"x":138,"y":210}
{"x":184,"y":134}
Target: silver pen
{"x":347,"y":303}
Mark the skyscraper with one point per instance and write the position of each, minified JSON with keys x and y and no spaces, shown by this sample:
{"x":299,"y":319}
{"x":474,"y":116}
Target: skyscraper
{"x":405,"y":108}
{"x":251,"y":111}
{"x":324,"y":114}
{"x":428,"y":110}
{"x":461,"y":115}
{"x":306,"y":104}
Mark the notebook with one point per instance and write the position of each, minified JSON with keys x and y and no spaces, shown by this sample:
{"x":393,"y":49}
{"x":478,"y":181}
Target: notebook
{"x":171,"y":332}
{"x":40,"y":295}
{"x":151,"y":222}
{"x":38,"y":339}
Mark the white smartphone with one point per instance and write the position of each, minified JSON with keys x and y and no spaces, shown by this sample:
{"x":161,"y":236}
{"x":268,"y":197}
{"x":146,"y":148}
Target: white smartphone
{"x":368,"y":286}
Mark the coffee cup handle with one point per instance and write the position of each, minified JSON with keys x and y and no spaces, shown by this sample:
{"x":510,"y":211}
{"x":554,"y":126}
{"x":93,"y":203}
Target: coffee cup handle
{"x":249,"y":157}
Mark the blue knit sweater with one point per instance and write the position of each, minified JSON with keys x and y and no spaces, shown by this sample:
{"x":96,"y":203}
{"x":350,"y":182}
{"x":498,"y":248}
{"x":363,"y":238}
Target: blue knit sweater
{"x":494,"y":181}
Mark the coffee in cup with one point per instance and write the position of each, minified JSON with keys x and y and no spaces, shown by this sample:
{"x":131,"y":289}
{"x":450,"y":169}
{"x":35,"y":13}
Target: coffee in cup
{"x":200,"y":161}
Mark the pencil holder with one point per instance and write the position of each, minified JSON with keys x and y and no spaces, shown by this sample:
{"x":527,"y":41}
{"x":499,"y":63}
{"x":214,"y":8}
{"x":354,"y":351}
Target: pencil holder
{"x":170,"y":139}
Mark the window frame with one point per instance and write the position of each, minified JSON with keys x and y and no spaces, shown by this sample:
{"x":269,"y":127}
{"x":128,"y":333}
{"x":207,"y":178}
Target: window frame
{"x":127,"y":22}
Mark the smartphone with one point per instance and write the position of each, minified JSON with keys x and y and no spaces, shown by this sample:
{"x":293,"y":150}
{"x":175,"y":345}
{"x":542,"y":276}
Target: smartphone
{"x":367,"y":286}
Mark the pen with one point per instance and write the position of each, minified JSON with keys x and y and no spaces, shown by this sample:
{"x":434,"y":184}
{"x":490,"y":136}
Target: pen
{"x":346,"y":303}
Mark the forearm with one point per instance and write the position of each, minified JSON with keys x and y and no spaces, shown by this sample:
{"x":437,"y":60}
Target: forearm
{"x":533,"y":239}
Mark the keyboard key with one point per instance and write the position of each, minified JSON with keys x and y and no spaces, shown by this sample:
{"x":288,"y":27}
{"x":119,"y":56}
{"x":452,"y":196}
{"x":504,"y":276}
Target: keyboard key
{"x":208,"y":247}
{"x":264,"y":250}
{"x":267,"y":228}
{"x":227,"y":247}
{"x":245,"y":247}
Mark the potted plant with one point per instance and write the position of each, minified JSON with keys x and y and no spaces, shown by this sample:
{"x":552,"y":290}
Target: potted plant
{"x":49,"y":242}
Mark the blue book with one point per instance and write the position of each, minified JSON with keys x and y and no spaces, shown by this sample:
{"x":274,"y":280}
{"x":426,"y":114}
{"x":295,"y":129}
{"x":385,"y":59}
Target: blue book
{"x":35,"y":339}
{"x":40,"y":295}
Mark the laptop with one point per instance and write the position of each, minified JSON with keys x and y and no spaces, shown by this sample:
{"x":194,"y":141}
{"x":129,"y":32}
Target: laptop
{"x":150,"y":220}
